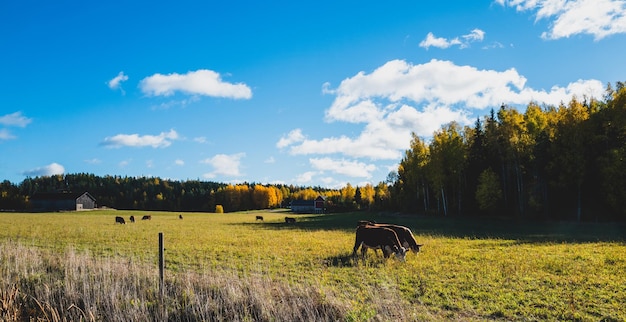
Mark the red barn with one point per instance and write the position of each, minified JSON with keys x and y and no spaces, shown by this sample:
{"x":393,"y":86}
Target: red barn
{"x":309,"y":206}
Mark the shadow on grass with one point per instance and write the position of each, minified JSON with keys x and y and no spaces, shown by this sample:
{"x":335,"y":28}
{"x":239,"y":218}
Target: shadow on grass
{"x":523,"y":231}
{"x":347,"y":260}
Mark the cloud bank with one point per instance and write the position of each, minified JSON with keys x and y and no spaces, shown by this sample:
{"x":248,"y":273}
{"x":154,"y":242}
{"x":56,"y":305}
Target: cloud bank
{"x":398,"y":98}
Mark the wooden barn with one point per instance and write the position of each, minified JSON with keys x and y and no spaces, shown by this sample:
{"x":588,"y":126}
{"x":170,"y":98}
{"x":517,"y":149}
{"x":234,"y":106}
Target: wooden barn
{"x":62,"y":201}
{"x":308,"y":206}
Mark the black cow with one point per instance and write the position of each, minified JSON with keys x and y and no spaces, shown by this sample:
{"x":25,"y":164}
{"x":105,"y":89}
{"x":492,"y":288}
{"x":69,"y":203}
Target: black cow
{"x":146,"y":217}
{"x":290,"y":220}
{"x":368,"y":236}
{"x":120,"y":220}
{"x":132,"y":218}
{"x":259,"y":218}
{"x":180,"y":216}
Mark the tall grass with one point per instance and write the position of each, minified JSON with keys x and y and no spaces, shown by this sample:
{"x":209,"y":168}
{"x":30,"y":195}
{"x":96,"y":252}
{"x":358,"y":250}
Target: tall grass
{"x":228,"y":267}
{"x":73,"y":286}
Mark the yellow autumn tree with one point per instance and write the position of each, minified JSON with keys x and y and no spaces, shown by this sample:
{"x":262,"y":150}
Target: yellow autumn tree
{"x":367,"y":195}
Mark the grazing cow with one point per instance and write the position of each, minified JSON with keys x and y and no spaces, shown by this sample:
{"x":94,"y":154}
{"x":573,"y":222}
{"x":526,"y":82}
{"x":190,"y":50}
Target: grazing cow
{"x":120,"y":220}
{"x":132,"y":218}
{"x":405,"y":236}
{"x":259,"y":218}
{"x":368,"y":236}
{"x":146,"y":217}
{"x":290,"y":220}
{"x":180,"y":216}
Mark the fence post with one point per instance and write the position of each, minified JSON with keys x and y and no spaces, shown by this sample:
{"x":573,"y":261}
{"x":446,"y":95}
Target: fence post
{"x":161,"y":264}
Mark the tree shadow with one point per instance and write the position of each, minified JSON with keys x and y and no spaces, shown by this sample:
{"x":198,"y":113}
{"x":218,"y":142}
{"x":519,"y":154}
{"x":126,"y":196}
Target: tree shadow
{"x":520,"y":230}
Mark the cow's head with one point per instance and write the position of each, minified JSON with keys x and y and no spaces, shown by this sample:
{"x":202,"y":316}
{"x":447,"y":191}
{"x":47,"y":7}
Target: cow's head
{"x":415,"y":249}
{"x":401,"y":254}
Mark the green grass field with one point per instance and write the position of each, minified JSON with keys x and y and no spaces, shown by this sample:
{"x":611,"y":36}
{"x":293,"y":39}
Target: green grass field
{"x":467,"y":270}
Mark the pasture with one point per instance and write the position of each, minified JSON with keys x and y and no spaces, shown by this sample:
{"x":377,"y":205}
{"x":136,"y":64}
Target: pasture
{"x":234,"y":267}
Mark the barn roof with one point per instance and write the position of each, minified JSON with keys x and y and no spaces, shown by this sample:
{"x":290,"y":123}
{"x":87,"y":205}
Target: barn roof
{"x":60,"y":195}
{"x":301,"y":202}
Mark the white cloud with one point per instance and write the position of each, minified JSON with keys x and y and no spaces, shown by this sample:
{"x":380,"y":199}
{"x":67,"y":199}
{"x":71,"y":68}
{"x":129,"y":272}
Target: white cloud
{"x":293,"y":137}
{"x":305,"y":177}
{"x":223,"y":164}
{"x":179,"y":162}
{"x":599,"y":18}
{"x":149,"y":163}
{"x":6,"y":135}
{"x":14,"y":119}
{"x":270,"y":160}
{"x":201,"y":82}
{"x":344,"y":167}
{"x":135,"y":140}
{"x":94,"y":161}
{"x":474,"y":35}
{"x":200,"y":139}
{"x":441,"y":83}
{"x":462,"y":41}
{"x":116,"y":82}
{"x":176,"y":103}
{"x":49,"y":170}
{"x":399,"y":98}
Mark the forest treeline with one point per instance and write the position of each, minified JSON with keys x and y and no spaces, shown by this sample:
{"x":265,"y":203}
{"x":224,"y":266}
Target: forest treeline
{"x":563,"y":162}
{"x":556,"y":162}
{"x":153,"y":193}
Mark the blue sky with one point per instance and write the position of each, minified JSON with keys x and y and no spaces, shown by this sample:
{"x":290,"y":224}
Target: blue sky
{"x":313,"y":93}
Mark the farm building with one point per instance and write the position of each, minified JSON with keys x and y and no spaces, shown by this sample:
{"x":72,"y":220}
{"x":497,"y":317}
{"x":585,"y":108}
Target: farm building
{"x":308,"y":206}
{"x":58,"y":201}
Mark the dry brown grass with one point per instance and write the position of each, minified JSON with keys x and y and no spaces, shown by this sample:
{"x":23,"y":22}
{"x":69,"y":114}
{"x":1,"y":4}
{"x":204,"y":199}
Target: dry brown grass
{"x":41,"y":285}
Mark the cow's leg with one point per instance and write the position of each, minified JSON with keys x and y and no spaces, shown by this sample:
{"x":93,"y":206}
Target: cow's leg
{"x":357,"y":244}
{"x":386,"y":251}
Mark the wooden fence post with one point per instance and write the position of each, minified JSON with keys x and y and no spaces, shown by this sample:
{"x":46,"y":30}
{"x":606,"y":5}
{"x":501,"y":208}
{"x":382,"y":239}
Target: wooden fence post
{"x":161,"y":264}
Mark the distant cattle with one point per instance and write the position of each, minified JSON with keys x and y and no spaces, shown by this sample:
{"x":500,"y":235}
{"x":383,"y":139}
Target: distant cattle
{"x":385,"y":239}
{"x":120,"y":220}
{"x":290,"y":220}
{"x":180,"y":216}
{"x":146,"y":217}
{"x":259,"y":218}
{"x":405,"y":236}
{"x":132,"y":218}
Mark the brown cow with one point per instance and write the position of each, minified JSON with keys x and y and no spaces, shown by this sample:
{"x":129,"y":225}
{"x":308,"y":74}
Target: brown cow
{"x":368,"y":236}
{"x":405,"y":236}
{"x":120,"y":220}
{"x":146,"y":217}
{"x":290,"y":220}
